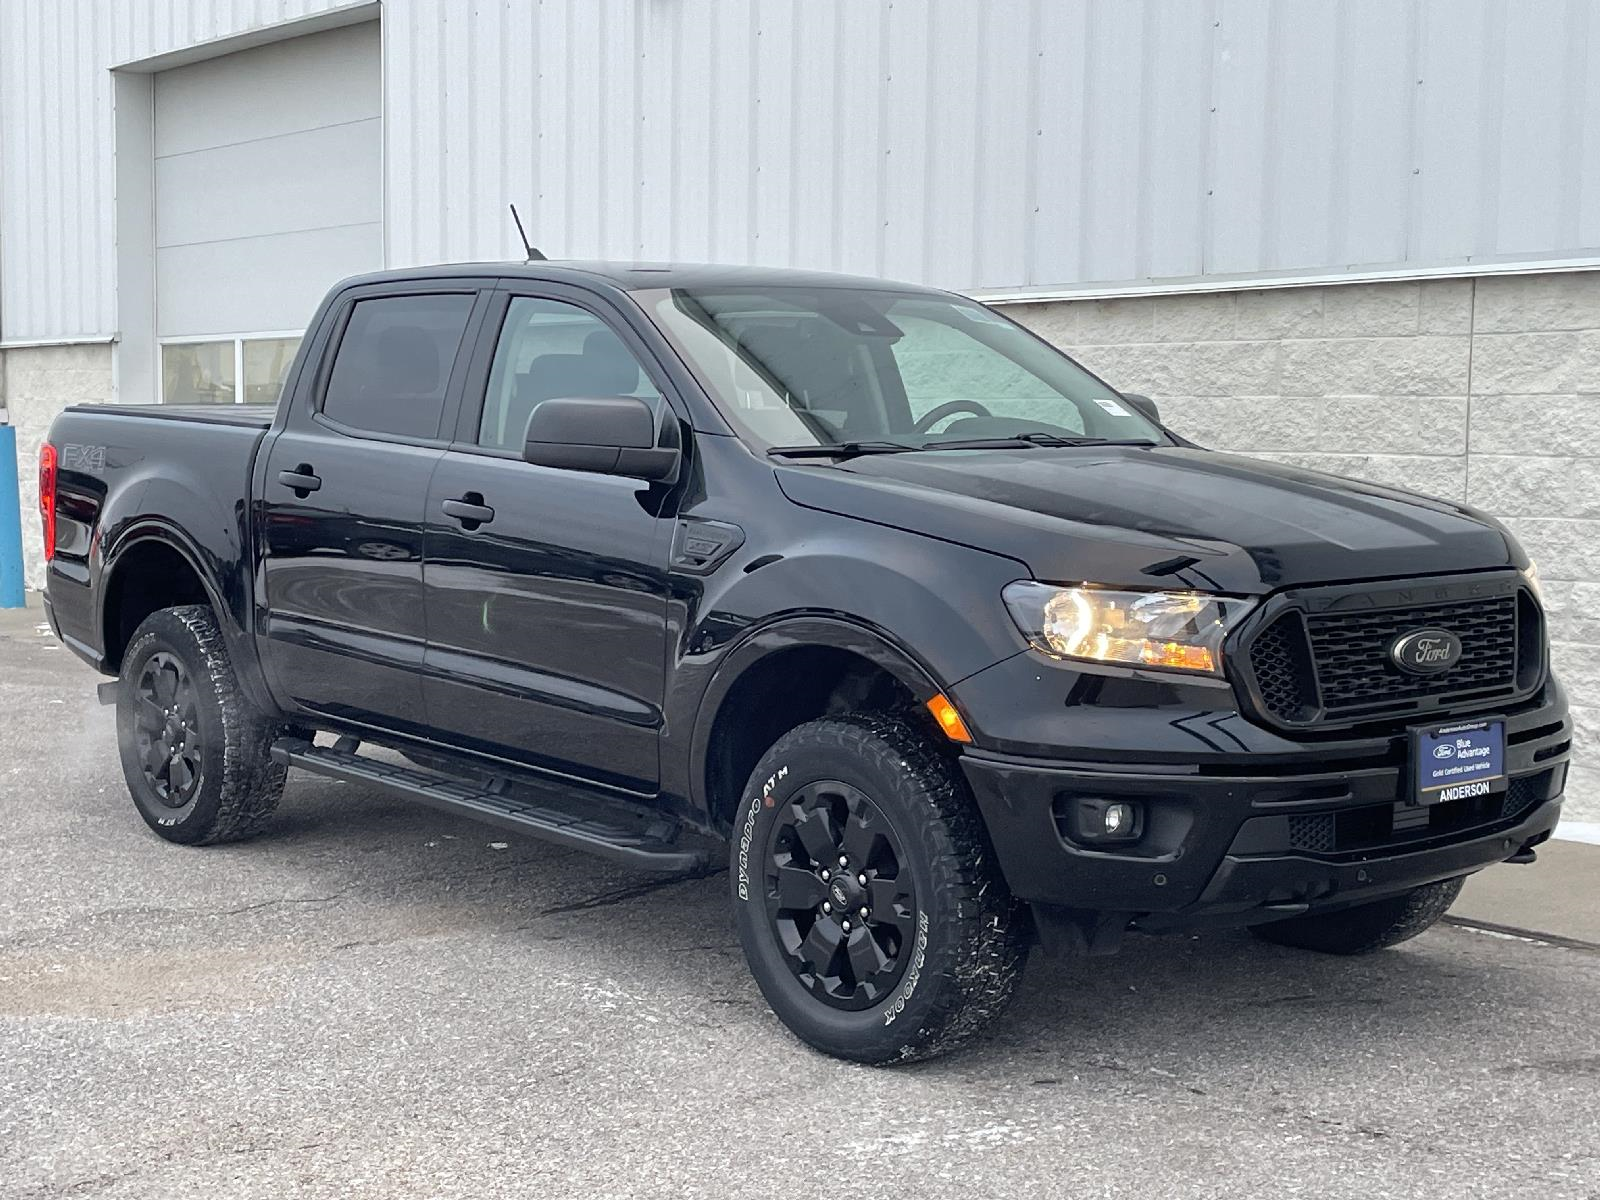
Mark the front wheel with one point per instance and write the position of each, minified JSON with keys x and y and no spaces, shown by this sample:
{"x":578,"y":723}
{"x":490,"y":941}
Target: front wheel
{"x":867,"y":899}
{"x":1365,"y":927}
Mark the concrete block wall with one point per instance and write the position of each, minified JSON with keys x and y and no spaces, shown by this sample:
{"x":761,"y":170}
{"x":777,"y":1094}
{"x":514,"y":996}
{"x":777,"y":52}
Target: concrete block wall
{"x":36,"y":383}
{"x":1485,"y":390}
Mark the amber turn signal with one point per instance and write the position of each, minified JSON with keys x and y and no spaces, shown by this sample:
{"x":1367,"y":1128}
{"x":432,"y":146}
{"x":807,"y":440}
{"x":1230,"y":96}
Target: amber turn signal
{"x":949,"y":719}
{"x":1178,"y":655}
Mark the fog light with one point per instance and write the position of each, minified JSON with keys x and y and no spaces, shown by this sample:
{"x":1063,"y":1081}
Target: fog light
{"x":1095,"y":820}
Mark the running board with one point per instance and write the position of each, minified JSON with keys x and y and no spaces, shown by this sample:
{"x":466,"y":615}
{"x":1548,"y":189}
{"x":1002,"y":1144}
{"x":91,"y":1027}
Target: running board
{"x":653,"y":848}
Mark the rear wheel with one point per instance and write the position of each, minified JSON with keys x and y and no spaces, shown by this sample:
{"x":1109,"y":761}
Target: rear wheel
{"x":195,"y":753}
{"x":867,"y":900}
{"x":1366,"y":927}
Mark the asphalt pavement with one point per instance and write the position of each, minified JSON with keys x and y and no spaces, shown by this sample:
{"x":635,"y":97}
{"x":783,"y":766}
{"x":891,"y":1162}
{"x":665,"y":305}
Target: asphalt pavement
{"x":374,"y":1000}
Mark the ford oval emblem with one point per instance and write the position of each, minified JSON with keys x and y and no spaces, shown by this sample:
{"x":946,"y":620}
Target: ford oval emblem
{"x":1426,"y":651}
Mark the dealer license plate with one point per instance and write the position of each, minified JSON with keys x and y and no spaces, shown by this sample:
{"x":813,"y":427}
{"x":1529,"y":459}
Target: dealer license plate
{"x":1460,"y":760}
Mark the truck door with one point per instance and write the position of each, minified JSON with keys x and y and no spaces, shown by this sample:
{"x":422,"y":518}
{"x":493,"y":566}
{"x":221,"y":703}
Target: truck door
{"x":546,"y":588}
{"x":343,"y":496}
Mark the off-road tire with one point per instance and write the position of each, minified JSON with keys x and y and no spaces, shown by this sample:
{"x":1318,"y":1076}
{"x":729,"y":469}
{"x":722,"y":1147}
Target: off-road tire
{"x":1366,"y":927}
{"x":238,"y":784}
{"x":967,"y":931}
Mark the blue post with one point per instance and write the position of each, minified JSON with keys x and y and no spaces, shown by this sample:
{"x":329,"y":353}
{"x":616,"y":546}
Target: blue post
{"x":10,"y":522}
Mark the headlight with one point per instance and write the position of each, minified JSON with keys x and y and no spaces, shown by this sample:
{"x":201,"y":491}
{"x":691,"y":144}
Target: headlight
{"x":1176,"y":631}
{"x":1530,"y":576}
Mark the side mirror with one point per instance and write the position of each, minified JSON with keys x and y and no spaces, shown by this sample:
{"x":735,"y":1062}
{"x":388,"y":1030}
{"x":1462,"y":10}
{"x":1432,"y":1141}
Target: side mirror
{"x":1145,"y":406}
{"x":606,"y":435}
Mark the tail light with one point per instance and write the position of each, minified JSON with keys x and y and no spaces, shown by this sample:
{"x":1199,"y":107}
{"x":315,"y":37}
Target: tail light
{"x":47,"y":498}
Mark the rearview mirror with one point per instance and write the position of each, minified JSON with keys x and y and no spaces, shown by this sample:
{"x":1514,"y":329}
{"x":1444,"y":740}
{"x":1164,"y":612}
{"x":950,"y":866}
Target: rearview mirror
{"x":1145,"y":406}
{"x":606,"y":435}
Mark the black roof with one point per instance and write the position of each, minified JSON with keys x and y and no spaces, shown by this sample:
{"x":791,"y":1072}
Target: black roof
{"x":638,"y":276}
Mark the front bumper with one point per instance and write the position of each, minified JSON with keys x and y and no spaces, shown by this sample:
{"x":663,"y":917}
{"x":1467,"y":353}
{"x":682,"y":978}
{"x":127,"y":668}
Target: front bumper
{"x":1238,"y":839}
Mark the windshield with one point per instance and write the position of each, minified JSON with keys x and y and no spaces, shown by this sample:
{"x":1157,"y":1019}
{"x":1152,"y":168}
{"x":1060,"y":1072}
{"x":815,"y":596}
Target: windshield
{"x":807,"y":366}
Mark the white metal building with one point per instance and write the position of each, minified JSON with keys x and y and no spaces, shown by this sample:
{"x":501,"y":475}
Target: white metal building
{"x":1361,"y":234}
{"x":198,"y":166}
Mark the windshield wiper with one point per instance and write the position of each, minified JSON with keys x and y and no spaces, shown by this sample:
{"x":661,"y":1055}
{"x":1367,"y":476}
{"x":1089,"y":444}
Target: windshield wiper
{"x":1021,"y":441}
{"x":1055,"y":439}
{"x":840,"y":449}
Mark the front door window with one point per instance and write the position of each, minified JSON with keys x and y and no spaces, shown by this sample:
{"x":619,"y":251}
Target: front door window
{"x":551,"y":350}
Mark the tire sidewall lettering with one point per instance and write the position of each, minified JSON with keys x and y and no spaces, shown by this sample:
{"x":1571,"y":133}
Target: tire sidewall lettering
{"x":747,"y":832}
{"x":913,"y":970}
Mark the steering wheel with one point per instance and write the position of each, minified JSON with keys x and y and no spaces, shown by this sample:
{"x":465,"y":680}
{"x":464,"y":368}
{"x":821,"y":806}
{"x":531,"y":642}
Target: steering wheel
{"x":949,"y":409}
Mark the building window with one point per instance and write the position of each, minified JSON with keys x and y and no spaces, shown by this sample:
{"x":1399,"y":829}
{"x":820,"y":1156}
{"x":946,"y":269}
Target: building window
{"x":210,"y":371}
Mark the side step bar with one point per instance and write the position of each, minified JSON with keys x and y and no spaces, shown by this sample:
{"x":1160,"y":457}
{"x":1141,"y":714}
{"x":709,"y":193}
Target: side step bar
{"x":652,"y":849}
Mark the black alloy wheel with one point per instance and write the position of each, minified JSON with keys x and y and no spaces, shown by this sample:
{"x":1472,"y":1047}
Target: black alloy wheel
{"x":167,"y":730}
{"x":196,"y":754}
{"x":841,"y":905}
{"x":867,"y":899}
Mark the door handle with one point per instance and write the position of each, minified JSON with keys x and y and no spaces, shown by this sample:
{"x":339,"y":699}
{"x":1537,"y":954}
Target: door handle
{"x":470,"y":510}
{"x":302,"y":480}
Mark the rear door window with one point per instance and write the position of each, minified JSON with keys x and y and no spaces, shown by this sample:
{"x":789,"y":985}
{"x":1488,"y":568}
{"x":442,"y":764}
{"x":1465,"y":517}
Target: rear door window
{"x":394,"y":362}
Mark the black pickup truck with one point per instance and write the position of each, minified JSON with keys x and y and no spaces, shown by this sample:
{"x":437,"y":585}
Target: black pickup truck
{"x":955,"y":645}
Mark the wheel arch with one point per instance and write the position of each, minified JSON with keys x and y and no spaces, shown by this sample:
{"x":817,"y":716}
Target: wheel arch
{"x":156,"y":565}
{"x":782,"y":674}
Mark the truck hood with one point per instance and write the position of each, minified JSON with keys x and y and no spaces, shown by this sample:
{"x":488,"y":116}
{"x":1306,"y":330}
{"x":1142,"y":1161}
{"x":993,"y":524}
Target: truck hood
{"x":1144,"y":516}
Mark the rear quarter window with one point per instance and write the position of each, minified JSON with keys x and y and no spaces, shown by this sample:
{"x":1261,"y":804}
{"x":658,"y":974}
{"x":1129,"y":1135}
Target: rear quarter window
{"x":393,"y":364}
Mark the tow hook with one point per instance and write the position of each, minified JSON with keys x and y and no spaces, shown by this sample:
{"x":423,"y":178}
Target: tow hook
{"x":1525,"y":855}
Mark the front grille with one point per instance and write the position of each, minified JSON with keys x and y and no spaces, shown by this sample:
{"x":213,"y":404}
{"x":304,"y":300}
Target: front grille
{"x":1351,"y":652}
{"x":1282,"y":664}
{"x":1332,"y":666}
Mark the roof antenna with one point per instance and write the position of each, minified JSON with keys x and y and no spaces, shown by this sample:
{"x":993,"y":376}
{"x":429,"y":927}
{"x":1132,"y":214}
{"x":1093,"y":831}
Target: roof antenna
{"x":533,"y":255}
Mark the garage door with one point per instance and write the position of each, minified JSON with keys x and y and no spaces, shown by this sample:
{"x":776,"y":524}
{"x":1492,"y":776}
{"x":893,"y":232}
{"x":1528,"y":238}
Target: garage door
{"x":268,"y":187}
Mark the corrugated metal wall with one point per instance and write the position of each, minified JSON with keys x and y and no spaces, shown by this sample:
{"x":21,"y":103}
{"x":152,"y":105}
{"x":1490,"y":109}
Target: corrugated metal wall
{"x":1008,"y":144}
{"x":1000,"y":145}
{"x":57,"y":226}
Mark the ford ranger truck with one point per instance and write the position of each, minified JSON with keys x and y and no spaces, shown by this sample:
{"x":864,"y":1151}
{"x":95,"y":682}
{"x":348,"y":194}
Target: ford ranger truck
{"x":955,"y":646}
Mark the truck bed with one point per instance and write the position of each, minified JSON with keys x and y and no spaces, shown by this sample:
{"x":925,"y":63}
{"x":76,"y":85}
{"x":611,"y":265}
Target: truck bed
{"x":126,"y":467}
{"x":251,"y":416}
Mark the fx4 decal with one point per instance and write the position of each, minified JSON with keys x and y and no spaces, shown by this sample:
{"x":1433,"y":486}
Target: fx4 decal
{"x":83,"y":458}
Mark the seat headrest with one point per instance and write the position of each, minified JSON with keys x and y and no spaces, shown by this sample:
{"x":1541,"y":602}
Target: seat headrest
{"x":810,"y":358}
{"x":604,"y":368}
{"x":609,"y":359}
{"x":407,"y":361}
